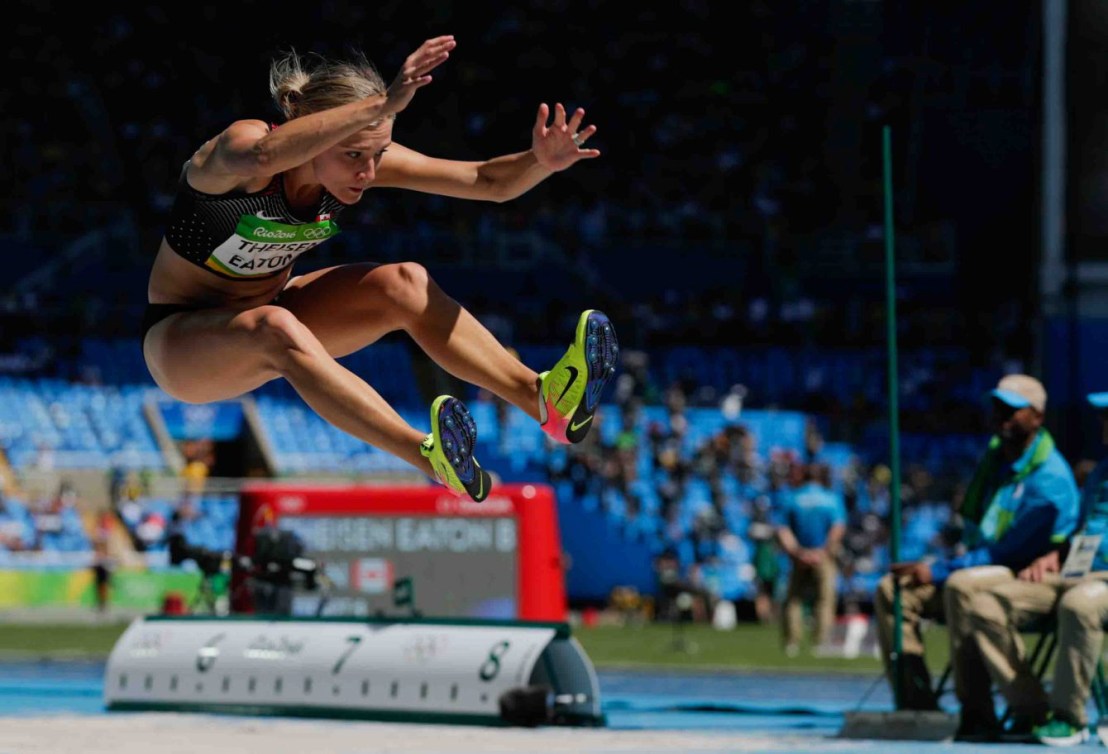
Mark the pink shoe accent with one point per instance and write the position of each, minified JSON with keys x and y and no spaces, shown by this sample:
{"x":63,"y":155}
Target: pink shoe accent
{"x":556,"y":425}
{"x":456,"y":493}
{"x":438,"y":479}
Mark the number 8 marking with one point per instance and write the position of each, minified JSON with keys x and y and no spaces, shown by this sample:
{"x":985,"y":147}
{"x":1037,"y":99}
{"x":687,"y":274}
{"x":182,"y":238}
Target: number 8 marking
{"x":490,"y":668}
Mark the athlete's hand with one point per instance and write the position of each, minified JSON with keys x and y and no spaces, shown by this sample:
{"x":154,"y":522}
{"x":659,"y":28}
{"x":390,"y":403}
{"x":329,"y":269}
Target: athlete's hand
{"x":558,"y":145}
{"x":417,"y":71}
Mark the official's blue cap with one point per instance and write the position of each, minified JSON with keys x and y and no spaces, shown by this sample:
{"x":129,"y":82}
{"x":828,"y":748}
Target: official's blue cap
{"x":1015,"y":400}
{"x":1097,"y":400}
{"x":1021,"y":391}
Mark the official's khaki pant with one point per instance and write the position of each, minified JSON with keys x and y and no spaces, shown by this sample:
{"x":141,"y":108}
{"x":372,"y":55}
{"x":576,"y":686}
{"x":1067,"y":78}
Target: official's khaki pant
{"x":950,"y":603}
{"x":815,"y":584}
{"x":917,"y":603}
{"x":1081,"y":617}
{"x":961,"y":589}
{"x":1001,"y":613}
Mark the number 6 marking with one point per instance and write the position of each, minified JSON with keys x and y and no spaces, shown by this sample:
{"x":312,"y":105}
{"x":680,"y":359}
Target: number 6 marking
{"x":208,"y":654}
{"x":354,"y":642}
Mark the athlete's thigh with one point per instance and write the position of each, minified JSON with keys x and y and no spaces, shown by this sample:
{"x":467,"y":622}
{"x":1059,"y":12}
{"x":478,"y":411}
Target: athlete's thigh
{"x":207,"y":355}
{"x":339,"y":306}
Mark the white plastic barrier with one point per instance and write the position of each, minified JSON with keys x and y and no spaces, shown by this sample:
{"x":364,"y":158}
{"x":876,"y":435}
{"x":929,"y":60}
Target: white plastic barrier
{"x":424,"y":670}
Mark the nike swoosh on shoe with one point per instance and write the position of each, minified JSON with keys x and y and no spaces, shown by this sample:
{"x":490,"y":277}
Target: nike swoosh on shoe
{"x":573,"y":372}
{"x":576,"y":426}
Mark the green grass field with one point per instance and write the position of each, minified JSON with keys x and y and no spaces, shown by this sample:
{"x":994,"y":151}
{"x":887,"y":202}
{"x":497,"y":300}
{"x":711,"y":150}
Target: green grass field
{"x":701,"y":647}
{"x":694,"y":647}
{"x":34,"y":640}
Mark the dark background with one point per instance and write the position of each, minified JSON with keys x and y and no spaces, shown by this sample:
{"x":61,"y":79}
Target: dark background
{"x":738,"y":200}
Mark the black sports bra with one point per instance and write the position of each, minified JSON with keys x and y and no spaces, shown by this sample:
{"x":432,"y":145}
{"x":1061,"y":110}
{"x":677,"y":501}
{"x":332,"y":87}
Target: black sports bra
{"x":243,"y":236}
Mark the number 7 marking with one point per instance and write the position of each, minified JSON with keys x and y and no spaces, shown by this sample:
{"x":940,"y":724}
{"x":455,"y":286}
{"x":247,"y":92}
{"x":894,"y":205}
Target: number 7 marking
{"x":354,"y":642}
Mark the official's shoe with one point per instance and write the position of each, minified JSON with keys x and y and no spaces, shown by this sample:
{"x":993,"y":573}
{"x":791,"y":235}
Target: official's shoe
{"x":1022,"y":724}
{"x":570,"y":392}
{"x":449,"y":448}
{"x":977,"y":728}
{"x":1059,"y":732}
{"x":1018,"y":730}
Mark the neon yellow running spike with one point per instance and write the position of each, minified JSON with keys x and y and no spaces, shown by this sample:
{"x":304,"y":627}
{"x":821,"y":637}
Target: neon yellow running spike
{"x":570,"y":392}
{"x":449,"y":448}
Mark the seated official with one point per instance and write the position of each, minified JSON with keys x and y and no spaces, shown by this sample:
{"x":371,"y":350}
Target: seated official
{"x":1028,"y":602}
{"x":1021,"y":503}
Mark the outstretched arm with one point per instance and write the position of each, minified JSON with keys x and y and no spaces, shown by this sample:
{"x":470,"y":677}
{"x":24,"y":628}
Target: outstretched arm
{"x":248,"y":149}
{"x":554,"y":147}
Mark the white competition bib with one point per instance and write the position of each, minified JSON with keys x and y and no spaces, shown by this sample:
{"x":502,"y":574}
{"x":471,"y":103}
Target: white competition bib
{"x":1082,"y":553}
{"x":261,"y":246}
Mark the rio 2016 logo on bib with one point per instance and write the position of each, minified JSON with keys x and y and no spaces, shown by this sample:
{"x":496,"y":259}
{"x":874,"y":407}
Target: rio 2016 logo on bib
{"x":261,"y":246}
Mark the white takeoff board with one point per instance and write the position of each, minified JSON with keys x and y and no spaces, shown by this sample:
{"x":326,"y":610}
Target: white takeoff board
{"x":425,"y":670}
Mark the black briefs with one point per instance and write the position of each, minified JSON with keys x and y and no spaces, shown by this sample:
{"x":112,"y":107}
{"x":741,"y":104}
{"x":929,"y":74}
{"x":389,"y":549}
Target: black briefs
{"x":155,"y":313}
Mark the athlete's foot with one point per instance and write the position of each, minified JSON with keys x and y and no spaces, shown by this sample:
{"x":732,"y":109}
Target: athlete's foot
{"x":449,"y":448}
{"x":570,"y":392}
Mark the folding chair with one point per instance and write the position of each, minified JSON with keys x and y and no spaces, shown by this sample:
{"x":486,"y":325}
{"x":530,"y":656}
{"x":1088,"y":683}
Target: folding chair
{"x":1100,"y":691}
{"x":1039,"y":660}
{"x":1041,"y":654}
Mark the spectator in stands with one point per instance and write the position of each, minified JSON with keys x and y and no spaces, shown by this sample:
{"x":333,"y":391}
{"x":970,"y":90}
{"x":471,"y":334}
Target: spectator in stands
{"x":53,"y":516}
{"x":101,"y":573}
{"x":767,"y":568}
{"x":13,"y":533}
{"x":679,"y":598}
{"x":46,"y":458}
{"x":128,"y":489}
{"x":877,"y":489}
{"x":1025,"y":602}
{"x":1081,"y":471}
{"x":150,"y":531}
{"x":255,"y":197}
{"x":1021,"y":504}
{"x":197,"y":466}
{"x":811,"y":524}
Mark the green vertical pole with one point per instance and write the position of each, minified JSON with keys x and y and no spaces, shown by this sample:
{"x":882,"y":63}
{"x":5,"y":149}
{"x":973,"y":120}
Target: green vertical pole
{"x":894,"y":409}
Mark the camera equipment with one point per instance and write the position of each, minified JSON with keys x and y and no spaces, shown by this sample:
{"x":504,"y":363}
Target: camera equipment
{"x":531,"y":706}
{"x":279,"y":559}
{"x":210,"y":562}
{"x":277,"y":567}
{"x":211,"y":595}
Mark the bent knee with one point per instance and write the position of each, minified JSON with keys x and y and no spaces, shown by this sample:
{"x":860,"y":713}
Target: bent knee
{"x":404,"y":285}
{"x":984,"y":608}
{"x":885,"y":591}
{"x":410,"y":274}
{"x":1086,"y":602}
{"x":966,"y":581}
{"x":278,"y":333}
{"x":269,"y":327}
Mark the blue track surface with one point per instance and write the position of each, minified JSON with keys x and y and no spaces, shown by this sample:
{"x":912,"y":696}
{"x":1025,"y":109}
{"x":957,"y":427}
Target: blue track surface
{"x":809,"y":706}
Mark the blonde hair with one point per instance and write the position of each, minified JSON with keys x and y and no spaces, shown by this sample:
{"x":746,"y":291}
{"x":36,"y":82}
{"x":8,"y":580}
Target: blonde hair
{"x":301,"y":85}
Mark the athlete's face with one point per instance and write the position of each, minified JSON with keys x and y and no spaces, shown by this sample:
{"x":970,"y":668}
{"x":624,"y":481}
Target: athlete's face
{"x":350,"y":167}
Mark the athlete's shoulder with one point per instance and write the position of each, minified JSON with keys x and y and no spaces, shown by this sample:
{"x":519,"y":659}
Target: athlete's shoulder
{"x":239,"y":134}
{"x":248,"y":127}
{"x":215,"y":168}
